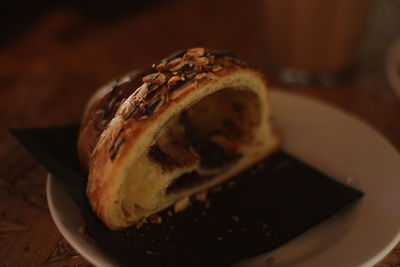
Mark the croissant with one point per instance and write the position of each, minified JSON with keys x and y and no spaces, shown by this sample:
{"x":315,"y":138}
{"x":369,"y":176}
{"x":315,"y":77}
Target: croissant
{"x":156,"y":137}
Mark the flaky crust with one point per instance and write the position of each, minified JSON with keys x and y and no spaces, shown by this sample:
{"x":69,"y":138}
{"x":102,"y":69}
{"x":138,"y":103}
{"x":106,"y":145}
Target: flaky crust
{"x":123,"y":121}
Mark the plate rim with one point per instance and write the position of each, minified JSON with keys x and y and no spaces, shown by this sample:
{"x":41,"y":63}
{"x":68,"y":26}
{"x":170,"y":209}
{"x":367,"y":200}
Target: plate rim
{"x":64,"y":231}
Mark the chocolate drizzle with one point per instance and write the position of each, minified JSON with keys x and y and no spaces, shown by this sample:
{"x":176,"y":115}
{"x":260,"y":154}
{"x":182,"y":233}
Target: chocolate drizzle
{"x":114,"y":97}
{"x":116,"y":144}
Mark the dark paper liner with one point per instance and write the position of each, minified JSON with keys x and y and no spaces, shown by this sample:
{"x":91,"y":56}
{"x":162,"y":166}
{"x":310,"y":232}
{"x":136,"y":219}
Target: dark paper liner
{"x":253,"y":213}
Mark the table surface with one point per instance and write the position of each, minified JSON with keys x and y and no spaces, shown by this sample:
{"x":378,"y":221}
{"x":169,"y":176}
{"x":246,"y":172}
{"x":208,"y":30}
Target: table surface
{"x":48,"y":72}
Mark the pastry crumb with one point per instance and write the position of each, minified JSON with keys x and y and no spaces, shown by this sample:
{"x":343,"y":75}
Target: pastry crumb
{"x":235,"y":218}
{"x":139,"y":224}
{"x":149,"y":252}
{"x":202,"y":196}
{"x":220,"y":238}
{"x":181,"y":204}
{"x":155,"y":219}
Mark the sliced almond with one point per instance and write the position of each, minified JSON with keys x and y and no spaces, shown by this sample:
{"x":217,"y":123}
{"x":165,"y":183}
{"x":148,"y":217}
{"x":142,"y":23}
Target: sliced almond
{"x":173,"y":80}
{"x":196,"y":52}
{"x":154,"y":78}
{"x":199,"y":61}
{"x":200,"y":75}
{"x":162,"y":66}
{"x":216,"y":68}
{"x":177,"y":67}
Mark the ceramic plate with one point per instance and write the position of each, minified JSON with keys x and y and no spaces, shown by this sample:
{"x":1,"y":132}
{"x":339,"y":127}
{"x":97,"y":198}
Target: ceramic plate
{"x":337,"y":144}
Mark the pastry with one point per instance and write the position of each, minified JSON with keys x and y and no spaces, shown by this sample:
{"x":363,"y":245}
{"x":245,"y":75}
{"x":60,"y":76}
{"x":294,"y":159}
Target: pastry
{"x":153,"y":138}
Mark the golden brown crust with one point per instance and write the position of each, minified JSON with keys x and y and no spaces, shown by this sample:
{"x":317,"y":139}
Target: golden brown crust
{"x":101,"y":109}
{"x":123,"y":122}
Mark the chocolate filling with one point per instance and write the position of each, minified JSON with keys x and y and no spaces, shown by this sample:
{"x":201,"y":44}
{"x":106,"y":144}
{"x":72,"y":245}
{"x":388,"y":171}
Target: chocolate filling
{"x":207,"y":137}
{"x":165,"y":160}
{"x":212,"y":156}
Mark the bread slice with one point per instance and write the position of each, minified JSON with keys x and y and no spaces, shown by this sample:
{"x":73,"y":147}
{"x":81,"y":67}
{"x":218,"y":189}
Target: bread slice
{"x":194,"y":120}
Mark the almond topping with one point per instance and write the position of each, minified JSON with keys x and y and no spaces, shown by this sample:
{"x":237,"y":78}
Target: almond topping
{"x":216,"y":68}
{"x":200,"y":75}
{"x":154,"y":78}
{"x":174,"y":62}
{"x":196,"y":52}
{"x":174,"y":79}
{"x":162,"y":66}
{"x":199,"y":61}
{"x":181,"y":90}
{"x":177,"y":67}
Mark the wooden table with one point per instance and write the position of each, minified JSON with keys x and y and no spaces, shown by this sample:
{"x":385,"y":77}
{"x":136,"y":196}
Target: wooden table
{"x":47,"y":74}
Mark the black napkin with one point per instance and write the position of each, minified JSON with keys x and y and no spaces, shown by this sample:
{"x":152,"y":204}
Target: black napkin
{"x":257,"y":211}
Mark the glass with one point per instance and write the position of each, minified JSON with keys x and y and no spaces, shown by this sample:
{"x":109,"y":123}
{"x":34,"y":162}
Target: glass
{"x":313,"y":41}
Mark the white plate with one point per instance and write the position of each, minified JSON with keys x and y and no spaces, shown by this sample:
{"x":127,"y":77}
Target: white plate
{"x":334,"y":142}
